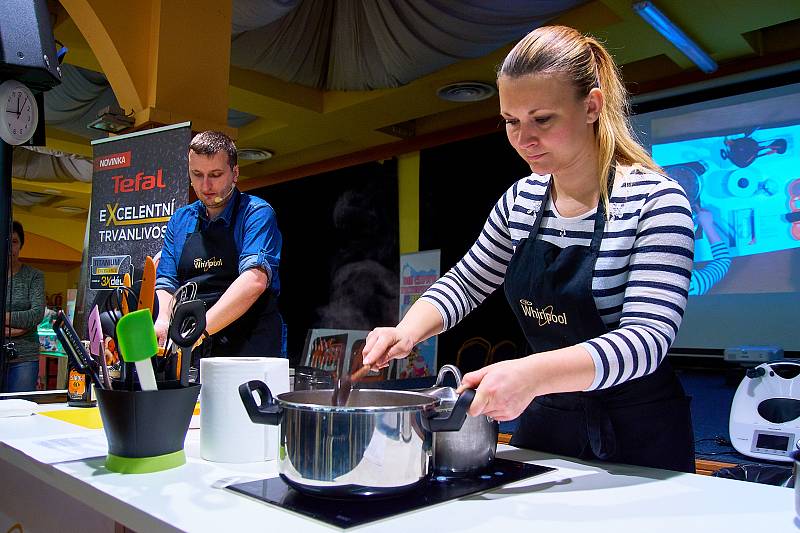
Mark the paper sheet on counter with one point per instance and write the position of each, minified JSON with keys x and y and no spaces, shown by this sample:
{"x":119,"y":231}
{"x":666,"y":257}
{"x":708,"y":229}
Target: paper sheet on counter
{"x":62,"y":448}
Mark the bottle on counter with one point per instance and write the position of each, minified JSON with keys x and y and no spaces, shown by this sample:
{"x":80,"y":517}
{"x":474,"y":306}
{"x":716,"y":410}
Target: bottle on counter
{"x":79,"y":387}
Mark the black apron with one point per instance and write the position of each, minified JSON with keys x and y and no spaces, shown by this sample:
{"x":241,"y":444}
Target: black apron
{"x":210,"y":259}
{"x":644,"y":421}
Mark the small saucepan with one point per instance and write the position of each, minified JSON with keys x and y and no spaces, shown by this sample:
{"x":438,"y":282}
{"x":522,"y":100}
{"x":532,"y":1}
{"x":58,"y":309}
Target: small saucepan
{"x":473,"y":447}
{"x":379,"y":444}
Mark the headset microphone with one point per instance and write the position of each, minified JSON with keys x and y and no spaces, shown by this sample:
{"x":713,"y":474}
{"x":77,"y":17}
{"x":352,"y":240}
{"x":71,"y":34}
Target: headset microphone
{"x":220,"y":199}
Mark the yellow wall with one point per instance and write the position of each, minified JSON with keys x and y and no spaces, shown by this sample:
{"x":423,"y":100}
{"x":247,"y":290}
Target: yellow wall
{"x":67,"y":230}
{"x":61,"y":267}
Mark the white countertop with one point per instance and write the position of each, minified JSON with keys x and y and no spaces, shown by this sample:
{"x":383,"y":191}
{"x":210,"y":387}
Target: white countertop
{"x":577,"y":497}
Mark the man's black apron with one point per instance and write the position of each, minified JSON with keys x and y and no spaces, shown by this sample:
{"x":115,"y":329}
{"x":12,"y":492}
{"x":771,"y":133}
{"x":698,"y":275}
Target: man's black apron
{"x":644,"y":421}
{"x":211,"y":260}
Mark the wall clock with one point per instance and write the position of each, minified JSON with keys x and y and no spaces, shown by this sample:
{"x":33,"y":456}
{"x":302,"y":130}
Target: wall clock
{"x":19,"y":114}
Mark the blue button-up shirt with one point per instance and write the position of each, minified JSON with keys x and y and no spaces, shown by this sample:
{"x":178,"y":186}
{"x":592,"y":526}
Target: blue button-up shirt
{"x":255,"y":232}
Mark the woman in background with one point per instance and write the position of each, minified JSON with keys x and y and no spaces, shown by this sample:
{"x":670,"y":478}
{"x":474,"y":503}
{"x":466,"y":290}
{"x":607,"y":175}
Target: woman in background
{"x":25,"y":310}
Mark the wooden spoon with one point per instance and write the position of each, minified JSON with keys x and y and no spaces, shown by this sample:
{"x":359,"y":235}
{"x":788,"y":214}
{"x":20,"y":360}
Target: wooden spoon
{"x":344,"y":384}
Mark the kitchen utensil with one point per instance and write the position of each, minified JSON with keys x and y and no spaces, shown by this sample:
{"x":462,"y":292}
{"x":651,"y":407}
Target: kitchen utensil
{"x":469,"y":449}
{"x":148,"y":287}
{"x":137,"y":344}
{"x":184,"y":293}
{"x":74,"y":347}
{"x":111,"y":311}
{"x":95,"y":329}
{"x":344,"y":384}
{"x":186,"y":327}
{"x":126,"y":282}
{"x":378,"y":444}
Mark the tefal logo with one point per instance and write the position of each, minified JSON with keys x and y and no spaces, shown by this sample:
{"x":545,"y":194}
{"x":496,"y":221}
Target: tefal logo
{"x":141,"y":182}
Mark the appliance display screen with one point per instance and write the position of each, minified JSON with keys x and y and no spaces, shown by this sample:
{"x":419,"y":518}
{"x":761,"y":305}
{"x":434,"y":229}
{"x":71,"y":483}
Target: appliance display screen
{"x":772,"y":442}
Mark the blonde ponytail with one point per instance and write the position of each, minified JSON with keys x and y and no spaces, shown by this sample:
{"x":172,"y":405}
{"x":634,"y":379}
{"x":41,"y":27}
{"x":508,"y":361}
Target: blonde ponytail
{"x":587,"y":64}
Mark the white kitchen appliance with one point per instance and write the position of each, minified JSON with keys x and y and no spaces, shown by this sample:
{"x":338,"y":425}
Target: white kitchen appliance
{"x":765,"y":414}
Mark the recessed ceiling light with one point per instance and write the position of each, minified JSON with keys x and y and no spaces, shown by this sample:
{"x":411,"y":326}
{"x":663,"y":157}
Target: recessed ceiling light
{"x":253,"y":154}
{"x":71,"y":209}
{"x":466,"y":91}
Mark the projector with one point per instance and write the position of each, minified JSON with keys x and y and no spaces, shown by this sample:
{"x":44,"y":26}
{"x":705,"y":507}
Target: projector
{"x":753,"y":354}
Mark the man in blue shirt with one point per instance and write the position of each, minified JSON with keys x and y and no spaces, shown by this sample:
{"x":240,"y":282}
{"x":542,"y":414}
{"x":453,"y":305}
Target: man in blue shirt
{"x":228,"y":243}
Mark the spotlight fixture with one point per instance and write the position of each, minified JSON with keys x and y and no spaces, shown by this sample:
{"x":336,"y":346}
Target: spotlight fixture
{"x":466,"y":91}
{"x":658,"y":20}
{"x":111,"y":119}
{"x":253,"y":154}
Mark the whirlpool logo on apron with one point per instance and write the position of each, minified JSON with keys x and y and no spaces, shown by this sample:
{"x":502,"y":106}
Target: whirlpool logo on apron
{"x":207,"y":264}
{"x":544,"y":315}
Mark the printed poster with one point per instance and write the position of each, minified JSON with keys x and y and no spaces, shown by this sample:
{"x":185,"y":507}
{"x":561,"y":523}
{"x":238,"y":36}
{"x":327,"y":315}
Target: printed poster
{"x":418,"y":271}
{"x":139,"y":180}
{"x":326,"y":347}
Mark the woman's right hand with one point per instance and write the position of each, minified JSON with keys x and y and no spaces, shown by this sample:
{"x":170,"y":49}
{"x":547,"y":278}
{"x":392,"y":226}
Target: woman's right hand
{"x":385,"y":344}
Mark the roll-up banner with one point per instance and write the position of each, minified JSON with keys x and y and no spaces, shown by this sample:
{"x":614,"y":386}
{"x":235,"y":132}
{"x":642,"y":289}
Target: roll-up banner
{"x":139,"y":180}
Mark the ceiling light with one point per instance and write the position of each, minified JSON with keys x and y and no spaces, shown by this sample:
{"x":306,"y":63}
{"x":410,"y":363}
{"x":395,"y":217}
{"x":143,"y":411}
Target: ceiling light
{"x":253,"y":154}
{"x":658,"y":20}
{"x":71,"y":209}
{"x":111,"y":119}
{"x":466,"y":91}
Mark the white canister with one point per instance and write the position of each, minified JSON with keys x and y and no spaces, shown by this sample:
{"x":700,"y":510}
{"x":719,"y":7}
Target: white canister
{"x":226,"y":433}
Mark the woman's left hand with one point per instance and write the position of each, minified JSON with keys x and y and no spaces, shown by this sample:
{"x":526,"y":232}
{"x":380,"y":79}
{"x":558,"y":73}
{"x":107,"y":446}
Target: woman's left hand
{"x":502,"y":390}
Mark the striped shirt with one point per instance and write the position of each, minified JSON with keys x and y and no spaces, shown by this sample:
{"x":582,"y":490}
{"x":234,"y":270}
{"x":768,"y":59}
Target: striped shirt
{"x":705,"y":278}
{"x":641,"y":276}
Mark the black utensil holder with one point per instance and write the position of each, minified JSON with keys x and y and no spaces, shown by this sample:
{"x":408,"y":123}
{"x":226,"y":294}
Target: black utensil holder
{"x":146,"y":429}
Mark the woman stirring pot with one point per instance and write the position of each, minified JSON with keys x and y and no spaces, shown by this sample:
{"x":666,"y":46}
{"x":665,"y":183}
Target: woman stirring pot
{"x":594,"y":250}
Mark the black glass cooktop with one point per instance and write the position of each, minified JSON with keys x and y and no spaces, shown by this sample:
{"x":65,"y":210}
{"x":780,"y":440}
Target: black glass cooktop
{"x":349,"y":513}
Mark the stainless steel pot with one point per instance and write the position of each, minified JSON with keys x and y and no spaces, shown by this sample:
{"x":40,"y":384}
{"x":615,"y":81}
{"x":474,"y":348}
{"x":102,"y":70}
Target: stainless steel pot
{"x":472,"y":447}
{"x":379,"y":444}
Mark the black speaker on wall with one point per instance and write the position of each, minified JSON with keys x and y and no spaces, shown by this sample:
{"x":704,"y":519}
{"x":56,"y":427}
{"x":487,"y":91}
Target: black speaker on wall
{"x":27,"y":47}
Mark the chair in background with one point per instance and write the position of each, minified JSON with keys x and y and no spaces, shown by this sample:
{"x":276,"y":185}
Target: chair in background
{"x":502,"y":351}
{"x":473,"y":354}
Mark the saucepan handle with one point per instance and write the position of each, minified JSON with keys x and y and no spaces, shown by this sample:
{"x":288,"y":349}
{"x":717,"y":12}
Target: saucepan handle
{"x":448,"y":369}
{"x":269,"y":412}
{"x":455,"y":419}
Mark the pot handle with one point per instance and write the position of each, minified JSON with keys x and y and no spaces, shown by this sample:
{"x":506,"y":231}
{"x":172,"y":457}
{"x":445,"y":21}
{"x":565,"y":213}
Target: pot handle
{"x":269,"y":412}
{"x":455,"y":419}
{"x":452,"y":369}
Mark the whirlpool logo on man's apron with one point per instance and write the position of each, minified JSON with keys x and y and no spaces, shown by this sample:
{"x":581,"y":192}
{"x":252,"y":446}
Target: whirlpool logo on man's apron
{"x":545,"y":315}
{"x":207,"y":264}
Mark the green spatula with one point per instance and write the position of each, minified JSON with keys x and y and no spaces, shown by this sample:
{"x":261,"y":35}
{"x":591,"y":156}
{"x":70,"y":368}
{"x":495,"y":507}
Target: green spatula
{"x":137,"y":344}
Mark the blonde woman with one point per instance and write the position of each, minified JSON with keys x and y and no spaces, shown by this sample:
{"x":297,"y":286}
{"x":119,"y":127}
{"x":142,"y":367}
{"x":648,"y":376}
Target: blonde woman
{"x":594,"y":252}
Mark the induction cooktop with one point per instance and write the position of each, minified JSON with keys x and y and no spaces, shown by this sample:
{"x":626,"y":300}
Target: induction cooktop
{"x":349,"y":513}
